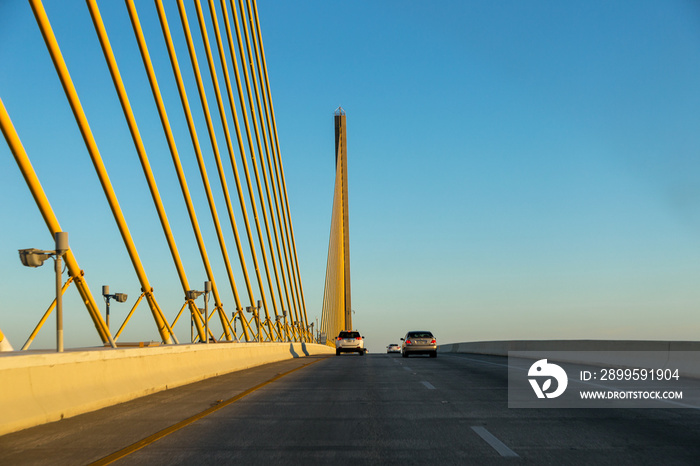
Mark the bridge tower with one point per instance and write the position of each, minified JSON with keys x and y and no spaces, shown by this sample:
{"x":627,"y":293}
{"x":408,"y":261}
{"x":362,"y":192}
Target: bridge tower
{"x":341,"y":163}
{"x":337,"y":307}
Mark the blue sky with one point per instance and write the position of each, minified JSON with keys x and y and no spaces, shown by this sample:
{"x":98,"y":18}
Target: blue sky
{"x":517,"y":170}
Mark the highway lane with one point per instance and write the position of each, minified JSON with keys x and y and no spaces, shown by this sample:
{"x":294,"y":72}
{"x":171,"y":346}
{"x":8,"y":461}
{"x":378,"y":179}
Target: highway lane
{"x":380,"y":409}
{"x":384,"y":410}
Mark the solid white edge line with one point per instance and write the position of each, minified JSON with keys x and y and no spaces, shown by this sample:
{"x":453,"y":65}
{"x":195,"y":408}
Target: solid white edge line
{"x":497,"y":445}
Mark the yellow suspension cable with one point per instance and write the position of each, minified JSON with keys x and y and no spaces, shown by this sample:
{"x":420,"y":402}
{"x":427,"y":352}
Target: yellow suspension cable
{"x":51,"y":221}
{"x":264,"y":117}
{"x":80,"y":117}
{"x":140,"y":149}
{"x":202,"y":169}
{"x":260,"y":152}
{"x":244,"y":161}
{"x":229,"y":145}
{"x":153,"y":82}
{"x":280,"y":174}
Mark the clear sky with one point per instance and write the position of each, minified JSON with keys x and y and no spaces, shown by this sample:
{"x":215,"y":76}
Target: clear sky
{"x":517,"y":170}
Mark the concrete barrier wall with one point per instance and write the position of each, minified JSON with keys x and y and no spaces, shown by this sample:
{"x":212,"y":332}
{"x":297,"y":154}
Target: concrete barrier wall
{"x":501,"y":348}
{"x":681,"y":355}
{"x":45,"y":387}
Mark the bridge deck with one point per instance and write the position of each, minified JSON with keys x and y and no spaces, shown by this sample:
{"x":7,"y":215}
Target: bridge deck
{"x":91,"y":436}
{"x":378,"y":409}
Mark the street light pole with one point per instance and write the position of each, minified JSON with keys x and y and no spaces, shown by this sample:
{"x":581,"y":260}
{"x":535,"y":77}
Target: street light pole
{"x":59,"y":306}
{"x":192,"y":295}
{"x":35,"y":258}
{"x":286,"y":328}
{"x":61,"y":238}
{"x":105,"y":293}
{"x":207,"y":290}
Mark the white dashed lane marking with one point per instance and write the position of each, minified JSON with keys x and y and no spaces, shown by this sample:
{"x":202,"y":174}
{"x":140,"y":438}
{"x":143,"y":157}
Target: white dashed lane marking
{"x":497,"y":445}
{"x":428,"y":385}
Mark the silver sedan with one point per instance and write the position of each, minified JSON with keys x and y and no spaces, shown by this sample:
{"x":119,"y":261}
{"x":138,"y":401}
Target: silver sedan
{"x":419,"y":342}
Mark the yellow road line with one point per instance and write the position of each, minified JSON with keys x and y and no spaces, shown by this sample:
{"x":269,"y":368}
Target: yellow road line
{"x":175,"y":427}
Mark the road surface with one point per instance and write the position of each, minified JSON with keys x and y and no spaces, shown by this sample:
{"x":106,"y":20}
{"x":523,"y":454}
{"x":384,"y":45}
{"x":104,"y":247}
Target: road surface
{"x":378,"y":409}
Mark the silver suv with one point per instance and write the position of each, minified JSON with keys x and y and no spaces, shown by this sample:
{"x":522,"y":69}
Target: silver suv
{"x":349,"y":341}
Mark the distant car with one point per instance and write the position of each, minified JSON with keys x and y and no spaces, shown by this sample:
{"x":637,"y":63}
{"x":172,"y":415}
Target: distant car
{"x":419,"y":342}
{"x":393,"y":348}
{"x":349,"y":342}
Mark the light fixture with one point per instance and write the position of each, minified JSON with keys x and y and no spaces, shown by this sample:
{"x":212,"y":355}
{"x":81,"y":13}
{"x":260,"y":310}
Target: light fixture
{"x":256,"y":315}
{"x":35,"y":258}
{"x":118,"y":297}
{"x":194,"y":294}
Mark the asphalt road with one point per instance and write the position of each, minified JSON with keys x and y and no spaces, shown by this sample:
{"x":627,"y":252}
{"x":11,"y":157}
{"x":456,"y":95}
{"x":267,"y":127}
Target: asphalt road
{"x":377,"y":409}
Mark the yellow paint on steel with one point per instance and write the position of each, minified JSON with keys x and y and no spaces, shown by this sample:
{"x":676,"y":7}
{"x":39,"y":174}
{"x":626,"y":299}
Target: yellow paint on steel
{"x":330,"y":325}
{"x":128,"y":316}
{"x":245,"y":322}
{"x":202,"y":168}
{"x":162,"y":113}
{"x":239,"y":138}
{"x":281,"y":250}
{"x":270,"y":163}
{"x":280,"y":169}
{"x":215,"y":149}
{"x":272,"y":154}
{"x":177,"y":317}
{"x":291,"y":304}
{"x":262,"y":111}
{"x":138,"y":143}
{"x":292,"y":241}
{"x":46,"y":316}
{"x":51,"y":221}
{"x":244,"y":161}
{"x":52,"y":45}
{"x":229,"y":143}
{"x":244,"y":110}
